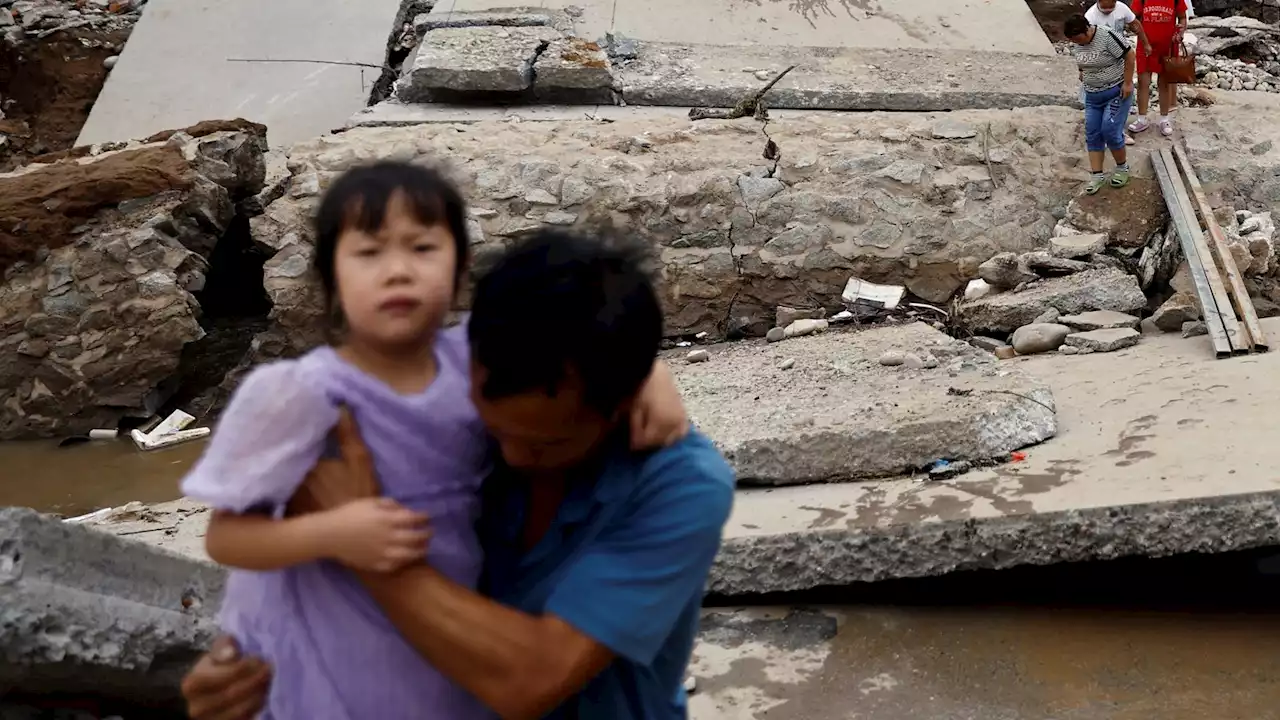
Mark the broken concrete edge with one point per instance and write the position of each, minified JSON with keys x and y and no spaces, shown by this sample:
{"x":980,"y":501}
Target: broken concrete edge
{"x":831,"y":557}
{"x":1024,"y":420}
{"x":83,"y":610}
{"x":672,"y":74}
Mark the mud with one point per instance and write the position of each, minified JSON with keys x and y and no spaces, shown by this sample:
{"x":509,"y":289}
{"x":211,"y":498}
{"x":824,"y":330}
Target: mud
{"x":43,"y":209}
{"x":49,"y":87}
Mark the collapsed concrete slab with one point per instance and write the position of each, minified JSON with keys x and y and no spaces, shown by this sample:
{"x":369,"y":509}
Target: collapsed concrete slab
{"x":82,"y":611}
{"x":1159,"y":473}
{"x":474,"y":60}
{"x":836,"y":413}
{"x":846,"y":78}
{"x":178,"y":68}
{"x":1097,"y":289}
{"x":102,"y":257}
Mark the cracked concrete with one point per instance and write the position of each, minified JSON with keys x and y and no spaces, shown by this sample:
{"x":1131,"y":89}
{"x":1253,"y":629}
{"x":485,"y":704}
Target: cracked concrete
{"x":834,"y":413}
{"x":84,"y":612}
{"x":1161,"y":450}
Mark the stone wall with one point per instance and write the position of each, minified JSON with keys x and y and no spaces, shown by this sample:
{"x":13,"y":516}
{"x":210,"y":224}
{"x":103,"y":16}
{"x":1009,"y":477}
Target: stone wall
{"x":94,"y":318}
{"x":897,"y":198}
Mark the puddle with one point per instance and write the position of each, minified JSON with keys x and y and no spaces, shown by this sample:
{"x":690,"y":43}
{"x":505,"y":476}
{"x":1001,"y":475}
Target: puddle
{"x":83,"y":478}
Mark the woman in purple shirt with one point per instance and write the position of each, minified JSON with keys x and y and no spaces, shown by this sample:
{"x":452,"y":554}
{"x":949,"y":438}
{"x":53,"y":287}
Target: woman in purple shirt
{"x":391,"y":248}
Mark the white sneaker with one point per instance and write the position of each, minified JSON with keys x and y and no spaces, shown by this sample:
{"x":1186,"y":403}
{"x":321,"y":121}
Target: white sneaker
{"x":1166,"y":128}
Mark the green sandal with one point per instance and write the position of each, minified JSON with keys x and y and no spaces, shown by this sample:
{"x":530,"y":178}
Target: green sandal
{"x":1095,"y":184}
{"x":1119,"y":178}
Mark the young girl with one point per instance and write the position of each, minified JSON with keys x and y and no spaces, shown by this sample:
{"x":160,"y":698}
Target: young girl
{"x":391,"y":249}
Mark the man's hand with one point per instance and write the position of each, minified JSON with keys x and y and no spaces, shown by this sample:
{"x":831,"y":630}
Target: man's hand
{"x":335,"y":482}
{"x":225,"y":686}
{"x":658,"y":418}
{"x":376,"y":534}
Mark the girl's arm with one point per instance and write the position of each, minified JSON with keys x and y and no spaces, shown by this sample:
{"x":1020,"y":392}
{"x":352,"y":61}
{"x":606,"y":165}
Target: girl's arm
{"x":375,"y":534}
{"x":257,"y":542}
{"x":658,"y":418}
{"x":1136,"y":27}
{"x":269,"y":438}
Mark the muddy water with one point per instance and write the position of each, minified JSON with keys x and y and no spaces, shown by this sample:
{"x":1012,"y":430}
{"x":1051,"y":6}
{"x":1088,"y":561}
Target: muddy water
{"x":83,"y":478}
{"x":992,"y":663}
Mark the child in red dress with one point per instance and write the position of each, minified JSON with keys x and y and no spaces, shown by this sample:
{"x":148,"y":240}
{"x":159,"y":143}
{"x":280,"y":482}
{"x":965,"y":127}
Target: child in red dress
{"x":1163,"y":21}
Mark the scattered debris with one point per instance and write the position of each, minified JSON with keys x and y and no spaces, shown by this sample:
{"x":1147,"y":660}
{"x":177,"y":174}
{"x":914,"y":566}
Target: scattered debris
{"x":861,"y":292}
{"x":944,"y":469}
{"x":698,"y":356}
{"x":1104,"y":340}
{"x":1100,"y":320}
{"x":168,"y":433}
{"x":787,"y":364}
{"x":1194,"y":328}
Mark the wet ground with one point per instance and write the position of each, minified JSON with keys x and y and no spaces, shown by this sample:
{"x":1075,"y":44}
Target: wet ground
{"x":1186,"y":638}
{"x":82,"y":478}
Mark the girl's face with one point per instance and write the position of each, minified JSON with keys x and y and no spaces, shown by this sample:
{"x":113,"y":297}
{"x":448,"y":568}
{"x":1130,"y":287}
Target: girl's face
{"x":395,"y":285}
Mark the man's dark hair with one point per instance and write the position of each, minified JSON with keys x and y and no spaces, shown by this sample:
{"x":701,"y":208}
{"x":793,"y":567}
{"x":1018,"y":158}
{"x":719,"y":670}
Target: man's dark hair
{"x":359,"y":198}
{"x":1075,"y":25}
{"x":559,"y":305}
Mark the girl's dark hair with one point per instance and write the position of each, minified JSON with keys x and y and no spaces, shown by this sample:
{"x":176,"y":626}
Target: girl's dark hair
{"x":1075,"y":25}
{"x":359,"y":198}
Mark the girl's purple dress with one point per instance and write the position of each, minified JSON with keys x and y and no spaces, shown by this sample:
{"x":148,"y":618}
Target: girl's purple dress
{"x":335,"y":654}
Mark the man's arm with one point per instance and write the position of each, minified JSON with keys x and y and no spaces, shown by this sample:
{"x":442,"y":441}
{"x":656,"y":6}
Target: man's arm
{"x":519,"y":665}
{"x":622,"y":597}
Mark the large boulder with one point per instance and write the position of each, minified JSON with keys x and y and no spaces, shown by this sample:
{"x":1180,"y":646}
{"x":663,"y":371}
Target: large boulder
{"x":1128,"y":218}
{"x":102,"y":255}
{"x":1098,"y":289}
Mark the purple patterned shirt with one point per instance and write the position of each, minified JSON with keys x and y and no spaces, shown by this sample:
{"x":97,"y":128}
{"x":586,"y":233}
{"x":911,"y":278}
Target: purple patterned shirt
{"x":335,"y":654}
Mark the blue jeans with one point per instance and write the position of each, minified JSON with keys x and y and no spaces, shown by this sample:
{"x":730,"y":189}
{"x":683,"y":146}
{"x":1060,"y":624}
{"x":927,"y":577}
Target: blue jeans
{"x":1105,"y":113}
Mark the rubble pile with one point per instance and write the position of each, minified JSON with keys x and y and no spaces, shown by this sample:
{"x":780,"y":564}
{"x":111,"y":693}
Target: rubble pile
{"x":1236,"y":53}
{"x":23,"y":20}
{"x":103,"y":261}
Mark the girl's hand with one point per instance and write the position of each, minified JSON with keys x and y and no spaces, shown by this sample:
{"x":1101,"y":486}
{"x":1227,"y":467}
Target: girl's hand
{"x":377,"y":534}
{"x":658,"y":418}
{"x":1127,"y":89}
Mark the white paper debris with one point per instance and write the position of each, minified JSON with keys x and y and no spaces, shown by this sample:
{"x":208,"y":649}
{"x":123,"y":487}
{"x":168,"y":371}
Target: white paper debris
{"x":867,"y":293}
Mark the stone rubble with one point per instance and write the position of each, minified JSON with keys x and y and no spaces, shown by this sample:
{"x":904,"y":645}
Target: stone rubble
{"x":1100,"y":320}
{"x":97,"y":303}
{"x":23,"y":20}
{"x":85,"y":612}
{"x":1094,"y":289}
{"x":1104,"y":340}
{"x":1039,"y":338}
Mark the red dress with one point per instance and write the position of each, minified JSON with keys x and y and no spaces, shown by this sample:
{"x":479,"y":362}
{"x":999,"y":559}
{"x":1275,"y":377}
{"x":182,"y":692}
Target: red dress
{"x":1160,"y":22}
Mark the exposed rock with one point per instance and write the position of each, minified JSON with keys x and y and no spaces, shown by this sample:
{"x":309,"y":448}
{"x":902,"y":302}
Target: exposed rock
{"x":986,"y":343}
{"x":1129,"y":218}
{"x":1006,"y":352}
{"x":473,"y":60}
{"x":1194,"y":328}
{"x":105,"y":283}
{"x":698,"y":356}
{"x":1005,"y":271}
{"x":1078,"y":246}
{"x":1179,"y":309}
{"x":787,"y":315}
{"x":950,"y":129}
{"x":776,"y":334}
{"x":840,"y":416}
{"x":1104,"y":340}
{"x":1069,"y":350}
{"x":426,"y":22}
{"x":1098,"y":289}
{"x":1100,"y":320}
{"x":1047,"y":265}
{"x":917,"y":362}
{"x":573,"y":64}
{"x":1039,"y":338}
{"x":85,"y":612}
{"x":787,"y":364}
{"x":1048,"y":316}
{"x":800,"y":328}
{"x":893,"y":358}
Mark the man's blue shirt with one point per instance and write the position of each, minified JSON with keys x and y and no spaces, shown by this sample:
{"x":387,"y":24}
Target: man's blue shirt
{"x":625,"y":562}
